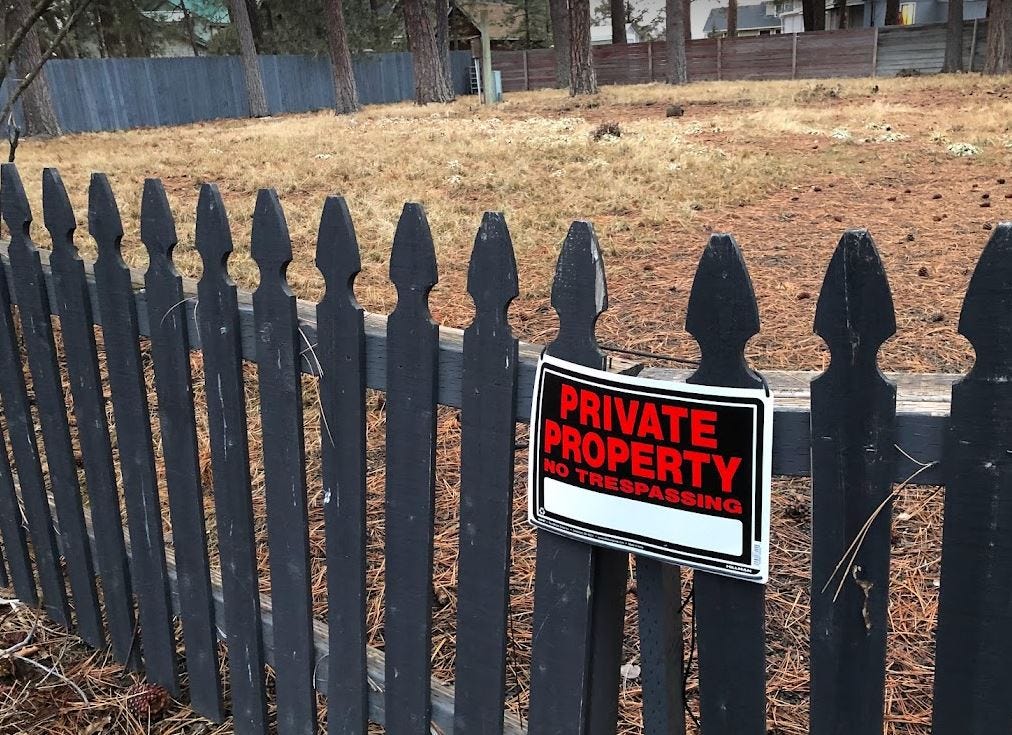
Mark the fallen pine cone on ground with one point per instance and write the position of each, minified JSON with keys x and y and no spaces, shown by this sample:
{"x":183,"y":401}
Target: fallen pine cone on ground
{"x":147,"y":701}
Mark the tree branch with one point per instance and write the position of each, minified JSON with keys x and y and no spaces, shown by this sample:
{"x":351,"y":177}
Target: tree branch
{"x":40,"y":7}
{"x":46,"y":55}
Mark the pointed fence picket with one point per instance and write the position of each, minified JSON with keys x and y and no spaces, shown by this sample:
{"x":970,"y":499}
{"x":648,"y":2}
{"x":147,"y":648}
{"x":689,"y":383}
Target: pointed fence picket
{"x":279,"y":346}
{"x":972,"y":687}
{"x":412,"y":380}
{"x":37,"y":332}
{"x":170,"y":353}
{"x":219,"y":330}
{"x":843,"y":430}
{"x":340,"y":355}
{"x":73,"y":303}
{"x":852,"y":471}
{"x":120,"y":334}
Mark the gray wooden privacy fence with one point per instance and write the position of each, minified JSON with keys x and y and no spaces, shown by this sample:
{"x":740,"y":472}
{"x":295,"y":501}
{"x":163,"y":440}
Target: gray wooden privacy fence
{"x":119,"y":94}
{"x":843,"y":428}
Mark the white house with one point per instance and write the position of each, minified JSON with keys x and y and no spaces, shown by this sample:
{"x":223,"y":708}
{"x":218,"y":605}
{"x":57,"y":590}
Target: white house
{"x":600,"y":35}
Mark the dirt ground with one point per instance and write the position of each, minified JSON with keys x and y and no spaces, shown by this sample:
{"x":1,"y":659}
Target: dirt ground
{"x":784,"y":166}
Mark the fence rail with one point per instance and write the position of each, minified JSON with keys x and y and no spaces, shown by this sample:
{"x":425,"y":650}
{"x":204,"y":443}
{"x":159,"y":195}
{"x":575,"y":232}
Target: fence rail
{"x":844,"y":428}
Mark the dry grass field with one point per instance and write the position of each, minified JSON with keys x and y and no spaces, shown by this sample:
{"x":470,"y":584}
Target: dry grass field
{"x":785,"y":166}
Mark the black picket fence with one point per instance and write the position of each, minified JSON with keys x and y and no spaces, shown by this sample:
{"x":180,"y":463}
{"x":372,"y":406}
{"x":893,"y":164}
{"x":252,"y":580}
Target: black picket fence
{"x":844,"y":431}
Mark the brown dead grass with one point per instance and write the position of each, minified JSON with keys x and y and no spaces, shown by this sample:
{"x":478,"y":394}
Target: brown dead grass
{"x":767,"y":161}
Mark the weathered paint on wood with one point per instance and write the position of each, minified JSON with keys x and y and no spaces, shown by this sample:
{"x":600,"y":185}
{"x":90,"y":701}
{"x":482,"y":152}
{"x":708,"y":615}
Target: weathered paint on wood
{"x":239,"y":611}
{"x":659,"y":596}
{"x":579,"y":590}
{"x":133,"y":435}
{"x":340,"y":349}
{"x":72,"y":301}
{"x":488,"y":423}
{"x":442,"y":695}
{"x":412,"y":380}
{"x":170,"y":354}
{"x":21,"y":433}
{"x":973,"y":691}
{"x":37,"y":332}
{"x":13,"y":531}
{"x":922,"y":399}
{"x":278,"y":349}
{"x":853,"y":436}
{"x":722,"y":316}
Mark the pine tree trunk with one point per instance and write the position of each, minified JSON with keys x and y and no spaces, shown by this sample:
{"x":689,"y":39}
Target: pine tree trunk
{"x":345,"y":91}
{"x":250,"y":63}
{"x":36,"y":102}
{"x":674,"y":38}
{"x":582,"y":79}
{"x":954,"y":38}
{"x":559,"y":12}
{"x":999,"y":37}
{"x":732,"y":18}
{"x":442,"y":18}
{"x":431,"y":83}
{"x":841,"y":10}
{"x":188,"y":26}
{"x":618,"y":21}
{"x":687,"y":18}
{"x":814,"y":14}
{"x":892,"y":15}
{"x":254,"y":21}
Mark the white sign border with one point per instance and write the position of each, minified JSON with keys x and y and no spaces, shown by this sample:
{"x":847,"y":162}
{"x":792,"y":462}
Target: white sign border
{"x":758,"y":572}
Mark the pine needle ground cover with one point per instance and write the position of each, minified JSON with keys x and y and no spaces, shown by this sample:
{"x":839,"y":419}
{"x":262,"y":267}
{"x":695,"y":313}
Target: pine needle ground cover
{"x":785,"y":166}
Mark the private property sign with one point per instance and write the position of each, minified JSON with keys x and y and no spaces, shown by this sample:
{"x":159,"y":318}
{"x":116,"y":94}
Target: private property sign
{"x":674,"y":471}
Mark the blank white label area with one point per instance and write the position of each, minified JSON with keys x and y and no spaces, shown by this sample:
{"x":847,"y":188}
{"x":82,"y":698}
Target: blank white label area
{"x":623,"y":516}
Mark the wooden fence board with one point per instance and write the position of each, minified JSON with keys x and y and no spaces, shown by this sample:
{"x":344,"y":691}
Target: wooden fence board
{"x":12,"y":529}
{"x":21,"y":432}
{"x":340,"y":349}
{"x":659,"y":594}
{"x":973,"y":692}
{"x":852,"y":470}
{"x":226,"y":418}
{"x":170,"y":354}
{"x":578,"y":613}
{"x":72,"y":300}
{"x":488,"y":425}
{"x":722,"y":316}
{"x":279,"y":347}
{"x":412,"y":354}
{"x":133,"y":435}
{"x":47,"y":386}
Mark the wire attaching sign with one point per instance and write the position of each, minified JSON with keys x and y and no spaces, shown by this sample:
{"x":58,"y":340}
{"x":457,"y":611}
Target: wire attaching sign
{"x":674,"y":471}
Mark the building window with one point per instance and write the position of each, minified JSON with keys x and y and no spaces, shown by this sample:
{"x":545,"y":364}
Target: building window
{"x":908,"y":14}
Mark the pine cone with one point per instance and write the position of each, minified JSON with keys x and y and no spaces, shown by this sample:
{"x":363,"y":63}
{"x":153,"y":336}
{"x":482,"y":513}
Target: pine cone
{"x":147,"y":701}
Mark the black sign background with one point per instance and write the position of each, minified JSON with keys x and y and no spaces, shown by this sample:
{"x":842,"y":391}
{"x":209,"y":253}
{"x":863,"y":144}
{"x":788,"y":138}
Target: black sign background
{"x":738,"y":431}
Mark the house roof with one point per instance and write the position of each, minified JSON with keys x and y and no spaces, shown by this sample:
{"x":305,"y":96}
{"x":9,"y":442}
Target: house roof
{"x":750,"y":17}
{"x":505,"y":21}
{"x":171,"y":10}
